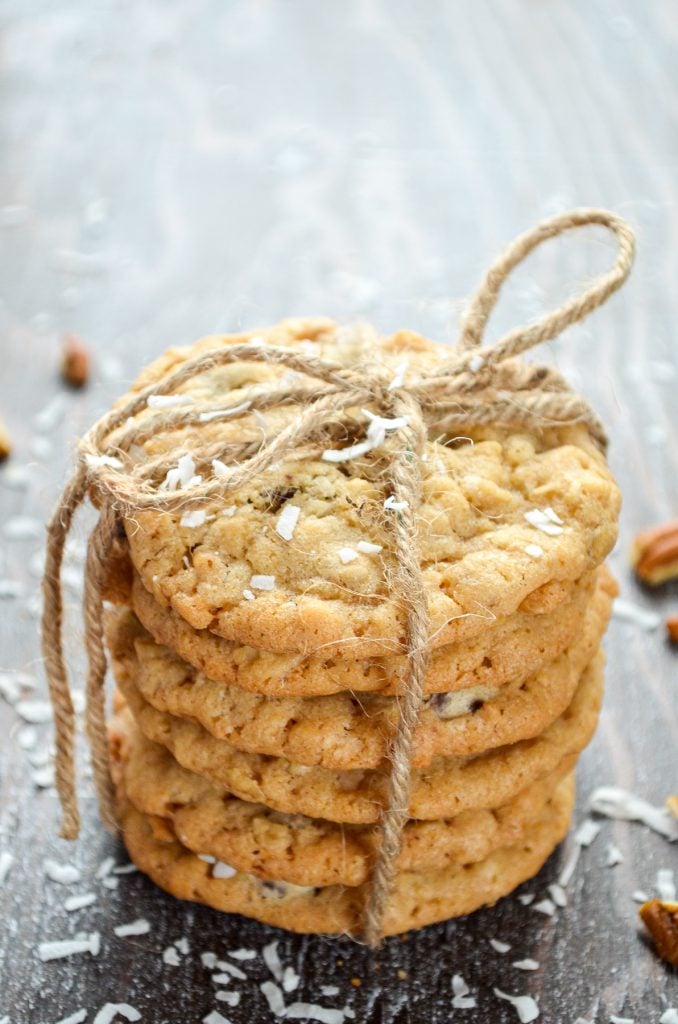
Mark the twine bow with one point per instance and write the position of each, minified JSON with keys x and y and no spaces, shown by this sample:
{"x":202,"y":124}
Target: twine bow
{"x":476,"y":385}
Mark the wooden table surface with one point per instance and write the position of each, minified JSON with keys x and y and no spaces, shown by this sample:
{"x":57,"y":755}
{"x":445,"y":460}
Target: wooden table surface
{"x":174,"y":168}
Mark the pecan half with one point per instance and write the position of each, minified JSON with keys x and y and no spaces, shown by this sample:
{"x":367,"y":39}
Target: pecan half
{"x":672,"y":628}
{"x":660,"y":917}
{"x":654,"y":554}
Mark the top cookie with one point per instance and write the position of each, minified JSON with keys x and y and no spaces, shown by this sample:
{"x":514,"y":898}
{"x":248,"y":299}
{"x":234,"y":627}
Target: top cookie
{"x":300,"y":558}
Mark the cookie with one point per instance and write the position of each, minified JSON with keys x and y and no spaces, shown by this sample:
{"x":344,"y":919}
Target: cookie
{"x":504,"y":513}
{"x":445,"y":788}
{"x":343,"y":732}
{"x":507,"y":648}
{"x":418,"y":898}
{"x":294,"y":848}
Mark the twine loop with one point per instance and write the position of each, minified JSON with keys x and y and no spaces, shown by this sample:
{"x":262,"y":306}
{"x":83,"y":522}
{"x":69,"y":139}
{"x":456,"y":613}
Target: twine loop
{"x":476,"y":385}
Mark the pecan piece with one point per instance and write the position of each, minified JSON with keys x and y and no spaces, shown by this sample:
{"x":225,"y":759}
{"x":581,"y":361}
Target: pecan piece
{"x":672,"y":629}
{"x":660,"y":917}
{"x":74,"y":362}
{"x":654,"y":554}
{"x":5,"y":442}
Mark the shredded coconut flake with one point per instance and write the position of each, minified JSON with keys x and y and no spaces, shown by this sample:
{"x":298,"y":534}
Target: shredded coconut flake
{"x":197,"y":517}
{"x":399,"y":377}
{"x":105,"y":868}
{"x":6,"y":861}
{"x":98,"y":461}
{"x":620,"y":803}
{"x":274,"y":997}
{"x":167,"y":401}
{"x":171,"y":957}
{"x":557,"y":894}
{"x":621,"y":1020}
{"x":310,"y":1011}
{"x":329,"y":990}
{"x":291,"y":980}
{"x":70,"y":947}
{"x":462,"y":999}
{"x":215,"y":1018}
{"x":587,"y":832}
{"x":243,"y":954}
{"x":230,"y":998}
{"x":125,"y":869}
{"x":630,"y":612}
{"x":36,"y":712}
{"x":475,"y":363}
{"x":545,"y":520}
{"x":272,"y":960}
{"x":375,"y":436}
{"x":248,"y":595}
{"x":223,"y":870}
{"x":395,"y":506}
{"x":666,"y":886}
{"x":11,"y":589}
{"x":74,"y":1018}
{"x":262,"y":582}
{"x":138,"y":927}
{"x":23,"y":528}
{"x":182,"y":945}
{"x":534,"y":551}
{"x":209,"y":960}
{"x":65,"y":874}
{"x":79,"y":902}
{"x":639,"y":896}
{"x":183,"y":475}
{"x":347,"y":555}
{"x":546,"y":906}
{"x":501,"y":947}
{"x":51,"y":415}
{"x":525,"y":1006}
{"x":230,"y":971}
{"x":526,"y":965}
{"x":367,"y":548}
{"x":287,"y":521}
{"x":613,"y":856}
{"x":216,"y":414}
{"x":110,"y":1011}
{"x":526,"y":899}
{"x":566,"y":874}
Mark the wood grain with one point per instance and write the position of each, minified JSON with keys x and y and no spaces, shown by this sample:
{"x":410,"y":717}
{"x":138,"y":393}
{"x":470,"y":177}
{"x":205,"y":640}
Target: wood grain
{"x":170,"y":169}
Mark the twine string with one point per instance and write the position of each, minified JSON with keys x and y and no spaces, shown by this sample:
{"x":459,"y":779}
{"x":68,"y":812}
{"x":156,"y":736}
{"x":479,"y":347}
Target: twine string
{"x":475,"y":386}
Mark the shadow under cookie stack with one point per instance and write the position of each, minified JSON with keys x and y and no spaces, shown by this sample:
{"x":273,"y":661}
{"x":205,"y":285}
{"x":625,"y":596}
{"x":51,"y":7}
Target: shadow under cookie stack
{"x":260,"y":652}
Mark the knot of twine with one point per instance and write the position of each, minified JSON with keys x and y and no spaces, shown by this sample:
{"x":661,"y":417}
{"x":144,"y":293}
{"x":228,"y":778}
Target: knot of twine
{"x":472,"y":387}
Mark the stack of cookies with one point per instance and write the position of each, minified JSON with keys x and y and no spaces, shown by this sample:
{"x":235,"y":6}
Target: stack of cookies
{"x":259,"y":651}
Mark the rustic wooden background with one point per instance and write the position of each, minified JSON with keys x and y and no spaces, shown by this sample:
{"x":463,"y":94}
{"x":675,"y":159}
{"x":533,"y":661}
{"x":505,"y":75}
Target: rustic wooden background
{"x":173,"y":168}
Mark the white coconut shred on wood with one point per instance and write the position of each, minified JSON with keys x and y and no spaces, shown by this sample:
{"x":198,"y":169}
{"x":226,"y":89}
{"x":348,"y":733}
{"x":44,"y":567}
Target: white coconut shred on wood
{"x":525,"y":1006}
{"x":62,"y":948}
{"x":613,"y":802}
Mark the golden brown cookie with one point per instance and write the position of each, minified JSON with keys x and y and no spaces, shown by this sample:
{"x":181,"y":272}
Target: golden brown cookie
{"x":445,"y":788}
{"x":418,"y":898}
{"x":508,"y":648}
{"x":345,"y":732}
{"x":297,"y":849}
{"x":504,"y":513}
